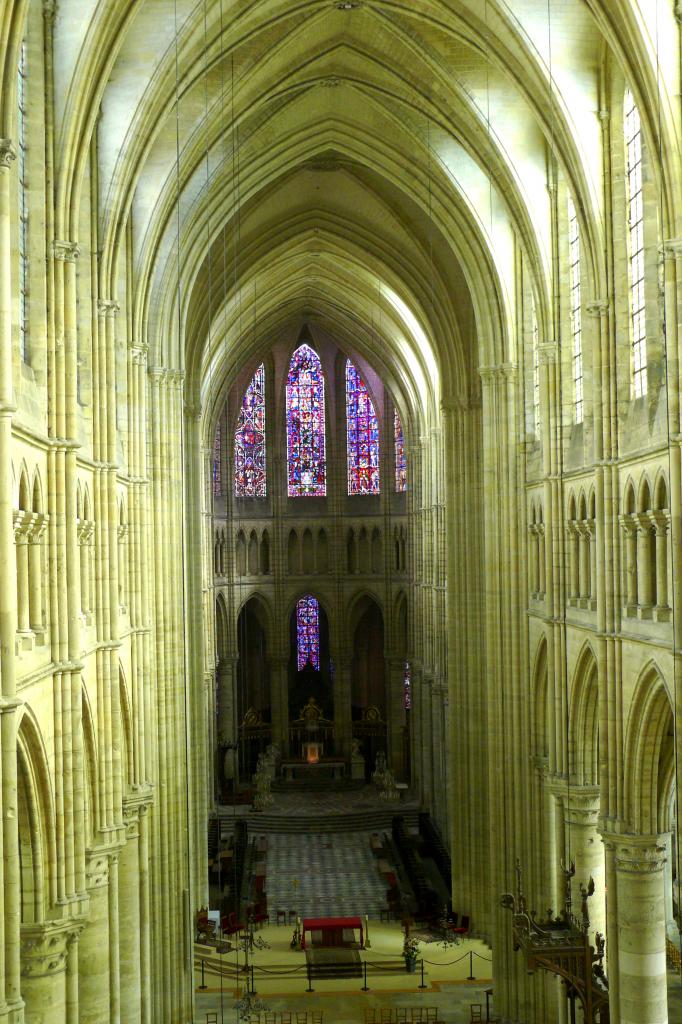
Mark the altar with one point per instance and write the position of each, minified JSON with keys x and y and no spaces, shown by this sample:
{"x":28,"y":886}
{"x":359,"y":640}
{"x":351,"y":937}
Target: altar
{"x":324,"y":768}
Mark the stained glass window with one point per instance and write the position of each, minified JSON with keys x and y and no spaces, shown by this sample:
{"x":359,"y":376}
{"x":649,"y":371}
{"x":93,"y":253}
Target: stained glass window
{"x":308,"y":632}
{"x":400,"y":458}
{"x":217,"y":474}
{"x":633,"y":142}
{"x":249,"y":441}
{"x":23,"y":208}
{"x":306,"y":464}
{"x":362,"y":435}
{"x":576,"y":310}
{"x":407,"y":687}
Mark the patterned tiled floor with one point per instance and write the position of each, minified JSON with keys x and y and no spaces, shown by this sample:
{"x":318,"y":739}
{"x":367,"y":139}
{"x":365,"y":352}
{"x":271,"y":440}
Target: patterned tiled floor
{"x":323,"y":875}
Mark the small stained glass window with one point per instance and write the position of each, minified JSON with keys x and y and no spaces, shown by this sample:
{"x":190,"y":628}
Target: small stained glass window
{"x":362,"y":435}
{"x":400,"y":458}
{"x":306,"y":462}
{"x":249,"y":441}
{"x":308,"y":632}
{"x":407,"y":687}
{"x":217,"y":471}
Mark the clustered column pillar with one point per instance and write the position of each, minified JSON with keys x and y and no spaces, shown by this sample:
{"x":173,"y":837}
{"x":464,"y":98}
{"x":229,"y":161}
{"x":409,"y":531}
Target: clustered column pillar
{"x":586,"y":850}
{"x":642,"y":974}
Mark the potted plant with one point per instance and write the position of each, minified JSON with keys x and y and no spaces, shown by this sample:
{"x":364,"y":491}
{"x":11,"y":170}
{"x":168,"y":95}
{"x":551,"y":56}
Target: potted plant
{"x":410,"y":950}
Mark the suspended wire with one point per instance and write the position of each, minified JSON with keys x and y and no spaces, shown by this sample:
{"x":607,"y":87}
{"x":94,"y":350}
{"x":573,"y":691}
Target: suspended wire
{"x":664,"y":333}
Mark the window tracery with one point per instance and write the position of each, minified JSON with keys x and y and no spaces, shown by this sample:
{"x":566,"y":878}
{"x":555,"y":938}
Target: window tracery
{"x":362,"y":435}
{"x":306,"y":463}
{"x":250,"y":477}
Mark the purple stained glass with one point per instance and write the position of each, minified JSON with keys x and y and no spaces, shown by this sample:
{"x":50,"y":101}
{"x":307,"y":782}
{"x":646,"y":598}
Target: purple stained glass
{"x":217,"y":474}
{"x":249,"y":441}
{"x":362,"y":438}
{"x":407,"y":687}
{"x":400,"y":459}
{"x":308,"y":632}
{"x":306,"y":463}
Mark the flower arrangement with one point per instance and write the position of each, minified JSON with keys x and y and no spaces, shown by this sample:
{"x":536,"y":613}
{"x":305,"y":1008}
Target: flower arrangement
{"x":410,"y":947}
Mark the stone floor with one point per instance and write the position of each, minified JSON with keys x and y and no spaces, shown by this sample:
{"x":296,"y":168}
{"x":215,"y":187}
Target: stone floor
{"x":324,"y":875}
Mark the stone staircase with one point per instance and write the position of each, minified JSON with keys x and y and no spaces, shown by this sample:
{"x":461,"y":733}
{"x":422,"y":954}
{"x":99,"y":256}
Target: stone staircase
{"x":374,"y":819}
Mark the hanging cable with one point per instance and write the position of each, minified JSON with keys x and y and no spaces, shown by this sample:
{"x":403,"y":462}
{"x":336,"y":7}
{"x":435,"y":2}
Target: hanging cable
{"x":664,"y":334}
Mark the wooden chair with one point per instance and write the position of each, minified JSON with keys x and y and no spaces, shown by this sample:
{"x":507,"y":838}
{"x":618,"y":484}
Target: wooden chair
{"x":283,"y":915}
{"x":370,"y":1016}
{"x":301,"y":1017}
{"x":292,"y":917}
{"x":386,"y":1016}
{"x":317,"y":1016}
{"x":270,"y":1017}
{"x":211,"y":1017}
{"x":431,"y":1014}
{"x":285,"y":1017}
{"x":476,"y":1010}
{"x":401,"y":1015}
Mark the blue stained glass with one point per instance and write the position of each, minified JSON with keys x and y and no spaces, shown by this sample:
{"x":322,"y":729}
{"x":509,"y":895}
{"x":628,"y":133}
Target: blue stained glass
{"x":362,"y":437}
{"x":400,"y":458}
{"x":306,"y":463}
{"x":249,"y":441}
{"x":308,"y":632}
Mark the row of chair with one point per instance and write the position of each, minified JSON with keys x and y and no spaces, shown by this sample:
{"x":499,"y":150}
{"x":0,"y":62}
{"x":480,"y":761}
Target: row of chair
{"x":289,"y":1017}
{"x":428,"y":903}
{"x":402,"y":1015}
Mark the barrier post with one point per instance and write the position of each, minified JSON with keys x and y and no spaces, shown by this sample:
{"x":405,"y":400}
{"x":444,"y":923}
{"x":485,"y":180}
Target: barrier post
{"x":422,"y":984}
{"x":471,"y":967}
{"x":253,"y":981}
{"x":365,"y":987}
{"x":202,"y":987}
{"x":310,"y":987}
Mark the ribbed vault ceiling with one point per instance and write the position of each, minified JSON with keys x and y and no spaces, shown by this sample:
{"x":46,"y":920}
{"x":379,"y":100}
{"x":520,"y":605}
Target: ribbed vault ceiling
{"x":375,"y":170}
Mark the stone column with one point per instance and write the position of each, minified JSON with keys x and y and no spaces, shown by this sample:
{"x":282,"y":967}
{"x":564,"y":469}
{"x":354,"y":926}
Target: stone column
{"x":44,"y":956}
{"x":661,"y":522}
{"x":23,"y":623}
{"x":129,"y":916}
{"x":591,"y":530}
{"x":395,"y":715}
{"x":584,"y":569}
{"x":644,"y":581}
{"x":279,"y":701}
{"x":35,"y":571}
{"x":641,"y":930}
{"x":93,"y":978}
{"x":342,"y":705}
{"x":586,"y":850}
{"x":574,"y":547}
{"x":629,"y":525}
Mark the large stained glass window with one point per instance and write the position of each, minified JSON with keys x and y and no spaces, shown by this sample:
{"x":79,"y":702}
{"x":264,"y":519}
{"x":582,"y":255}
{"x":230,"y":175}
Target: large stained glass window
{"x":308,"y":632}
{"x":362,"y":438}
{"x":306,"y":464}
{"x":400,"y":458}
{"x":217,"y":475}
{"x":249,"y":440}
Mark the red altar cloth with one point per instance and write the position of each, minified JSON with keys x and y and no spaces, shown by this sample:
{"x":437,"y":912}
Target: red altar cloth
{"x":331,"y":924}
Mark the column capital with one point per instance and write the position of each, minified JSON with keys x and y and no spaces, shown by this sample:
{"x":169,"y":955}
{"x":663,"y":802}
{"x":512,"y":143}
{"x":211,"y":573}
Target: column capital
{"x":7,"y":152}
{"x":45,"y":946}
{"x":108,"y":307}
{"x":582,"y":805}
{"x":499,"y":372}
{"x":66,"y":251}
{"x":548,"y":352}
{"x":49,"y":9}
{"x":598,"y":307}
{"x":638,"y":855}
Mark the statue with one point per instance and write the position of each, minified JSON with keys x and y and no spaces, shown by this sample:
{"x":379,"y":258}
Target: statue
{"x":357,"y":761}
{"x":384,"y":779}
{"x":263,"y":779}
